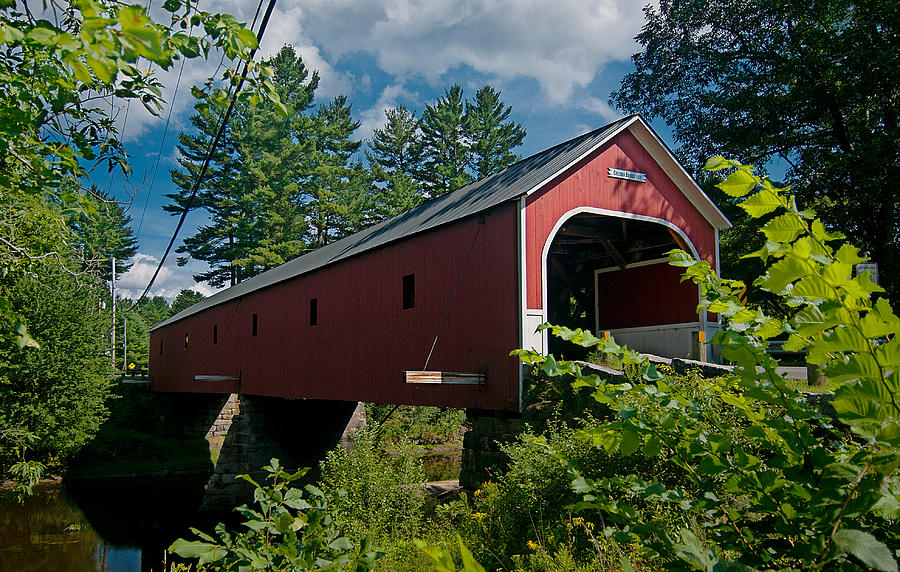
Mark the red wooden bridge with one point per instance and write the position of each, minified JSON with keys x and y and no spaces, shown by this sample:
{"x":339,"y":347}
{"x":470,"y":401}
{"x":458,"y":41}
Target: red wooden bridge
{"x":575,"y":234}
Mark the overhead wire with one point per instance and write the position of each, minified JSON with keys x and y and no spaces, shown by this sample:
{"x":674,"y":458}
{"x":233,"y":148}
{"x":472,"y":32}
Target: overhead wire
{"x":219,"y":131}
{"x":162,"y":142}
{"x":112,"y":102}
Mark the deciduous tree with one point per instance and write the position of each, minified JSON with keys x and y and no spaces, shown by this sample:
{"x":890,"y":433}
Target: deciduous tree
{"x":809,"y":85}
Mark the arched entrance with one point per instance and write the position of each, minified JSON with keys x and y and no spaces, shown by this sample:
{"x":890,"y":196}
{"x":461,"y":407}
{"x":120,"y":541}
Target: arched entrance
{"x":608,"y":271}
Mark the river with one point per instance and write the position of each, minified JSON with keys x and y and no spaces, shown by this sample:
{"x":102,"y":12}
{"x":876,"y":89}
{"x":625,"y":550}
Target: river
{"x":113,"y":525}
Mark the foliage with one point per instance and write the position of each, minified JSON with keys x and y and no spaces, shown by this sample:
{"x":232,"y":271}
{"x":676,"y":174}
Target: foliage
{"x":185,"y":299}
{"x":491,"y":136}
{"x":446,"y":151}
{"x":395,"y":158}
{"x":101,"y":233}
{"x":443,"y":559}
{"x":280,"y":185}
{"x":420,"y":425}
{"x":56,"y":128}
{"x":809,"y":86}
{"x":289,"y":531}
{"x":54,"y":394}
{"x":337,"y":188}
{"x":373,"y":493}
{"x":252,"y":194}
{"x":15,"y":444}
{"x":794,"y":491}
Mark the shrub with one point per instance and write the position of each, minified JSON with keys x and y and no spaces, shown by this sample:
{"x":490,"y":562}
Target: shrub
{"x":287,"y":532}
{"x":372,"y":492}
{"x":421,"y":425}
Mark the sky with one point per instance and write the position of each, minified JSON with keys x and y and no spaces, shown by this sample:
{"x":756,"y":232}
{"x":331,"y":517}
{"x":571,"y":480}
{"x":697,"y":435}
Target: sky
{"x":555,"y":63}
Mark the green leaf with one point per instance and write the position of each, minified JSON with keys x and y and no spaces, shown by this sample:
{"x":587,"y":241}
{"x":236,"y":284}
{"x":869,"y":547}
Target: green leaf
{"x":784,"y":272}
{"x":813,"y":287}
{"x":630,"y":440}
{"x":81,"y":72}
{"x":858,"y":366}
{"x":761,"y":203}
{"x":716,"y":163}
{"x":783,"y":228}
{"x":43,"y":36}
{"x":866,"y":548}
{"x":849,"y":254}
{"x":738,"y":183}
{"x":248,"y":38}
{"x":194,"y":549}
{"x":468,"y":561}
{"x":23,"y":339}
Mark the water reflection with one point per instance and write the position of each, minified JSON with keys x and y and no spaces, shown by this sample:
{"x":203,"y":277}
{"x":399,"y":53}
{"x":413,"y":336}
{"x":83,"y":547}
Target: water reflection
{"x":114,"y":525}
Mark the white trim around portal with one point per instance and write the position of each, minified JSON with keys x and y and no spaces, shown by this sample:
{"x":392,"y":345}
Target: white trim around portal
{"x":521,"y":253}
{"x":602,"y":212}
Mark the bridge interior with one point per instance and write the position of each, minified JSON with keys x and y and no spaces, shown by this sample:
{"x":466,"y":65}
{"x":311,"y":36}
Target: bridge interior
{"x":589,"y":243}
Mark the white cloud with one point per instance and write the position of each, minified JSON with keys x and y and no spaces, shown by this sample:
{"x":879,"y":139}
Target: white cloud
{"x":562,"y":44}
{"x":172,"y":279}
{"x":599,"y":107}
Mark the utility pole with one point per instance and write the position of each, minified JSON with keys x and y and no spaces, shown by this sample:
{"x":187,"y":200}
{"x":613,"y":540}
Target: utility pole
{"x":112,"y":348}
{"x":125,"y":345}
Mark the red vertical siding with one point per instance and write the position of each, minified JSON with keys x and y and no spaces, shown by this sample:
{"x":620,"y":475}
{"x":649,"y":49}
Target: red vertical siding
{"x":364,"y":339}
{"x":588,"y":185}
{"x":645,"y":296}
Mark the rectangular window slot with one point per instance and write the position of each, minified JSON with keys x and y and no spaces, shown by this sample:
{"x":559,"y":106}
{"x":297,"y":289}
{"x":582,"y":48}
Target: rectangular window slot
{"x":215,"y":333}
{"x":185,"y":341}
{"x":409,"y":291}
{"x":313,"y":311}
{"x":254,"y":324}
{"x":160,"y":347}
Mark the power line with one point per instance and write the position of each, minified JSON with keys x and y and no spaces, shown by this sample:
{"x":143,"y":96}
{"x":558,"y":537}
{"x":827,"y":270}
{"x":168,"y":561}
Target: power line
{"x":169,"y":118}
{"x":209,"y":152}
{"x":162,"y":142}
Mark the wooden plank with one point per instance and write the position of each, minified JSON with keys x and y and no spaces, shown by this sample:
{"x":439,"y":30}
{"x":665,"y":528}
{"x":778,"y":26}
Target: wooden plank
{"x":444,"y":377}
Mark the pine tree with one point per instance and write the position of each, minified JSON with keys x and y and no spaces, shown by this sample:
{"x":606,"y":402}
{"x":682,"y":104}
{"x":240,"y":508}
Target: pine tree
{"x":102,"y":234}
{"x":213,"y":243}
{"x":395,"y":157}
{"x":445,"y":146}
{"x":252,"y":192}
{"x":329,"y":183}
{"x":274,"y":153}
{"x":491,"y":136}
{"x":397,"y":148}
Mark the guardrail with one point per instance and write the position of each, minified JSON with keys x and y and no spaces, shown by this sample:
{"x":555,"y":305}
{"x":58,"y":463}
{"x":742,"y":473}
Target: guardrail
{"x":136,"y":375}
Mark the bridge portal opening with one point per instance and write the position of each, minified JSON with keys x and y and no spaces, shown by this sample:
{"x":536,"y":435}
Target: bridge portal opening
{"x":607,"y":273}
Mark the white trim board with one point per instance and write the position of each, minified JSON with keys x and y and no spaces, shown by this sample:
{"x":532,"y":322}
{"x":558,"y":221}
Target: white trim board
{"x":657,"y":328}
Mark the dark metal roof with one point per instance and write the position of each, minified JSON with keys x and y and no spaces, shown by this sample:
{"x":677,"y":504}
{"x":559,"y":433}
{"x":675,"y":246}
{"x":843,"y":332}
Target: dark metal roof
{"x":513,"y":182}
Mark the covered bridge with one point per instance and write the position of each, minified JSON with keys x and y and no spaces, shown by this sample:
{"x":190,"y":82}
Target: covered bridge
{"x":573,"y":235}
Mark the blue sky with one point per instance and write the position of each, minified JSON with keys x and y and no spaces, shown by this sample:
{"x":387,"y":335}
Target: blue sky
{"x":555,"y":62}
